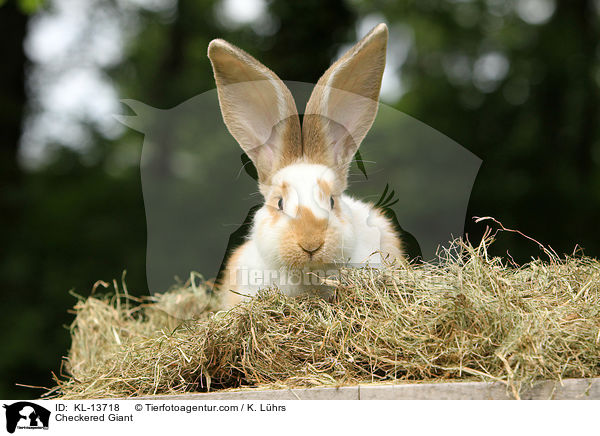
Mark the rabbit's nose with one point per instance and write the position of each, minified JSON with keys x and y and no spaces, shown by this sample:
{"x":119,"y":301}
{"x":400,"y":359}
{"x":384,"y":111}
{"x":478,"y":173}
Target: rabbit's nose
{"x":311,"y":248}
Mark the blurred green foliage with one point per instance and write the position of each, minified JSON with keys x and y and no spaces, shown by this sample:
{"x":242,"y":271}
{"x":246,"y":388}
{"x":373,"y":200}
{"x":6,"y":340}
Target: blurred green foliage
{"x":535,"y":126}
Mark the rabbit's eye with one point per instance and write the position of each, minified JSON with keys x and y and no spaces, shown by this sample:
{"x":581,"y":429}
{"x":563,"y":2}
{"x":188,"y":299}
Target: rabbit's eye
{"x":280,"y":203}
{"x":331,"y":202}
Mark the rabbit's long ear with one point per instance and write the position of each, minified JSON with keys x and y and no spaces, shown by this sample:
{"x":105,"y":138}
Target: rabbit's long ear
{"x":343,"y":105}
{"x":257,"y":108}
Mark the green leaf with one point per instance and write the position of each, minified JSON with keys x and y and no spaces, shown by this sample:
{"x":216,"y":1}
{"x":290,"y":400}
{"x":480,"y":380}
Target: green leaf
{"x":360,"y":164}
{"x":381,"y":202}
{"x":249,"y":166}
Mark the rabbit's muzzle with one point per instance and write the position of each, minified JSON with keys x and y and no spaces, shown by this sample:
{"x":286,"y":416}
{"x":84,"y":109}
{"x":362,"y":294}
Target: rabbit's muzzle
{"x":312,"y":250}
{"x":306,"y":237}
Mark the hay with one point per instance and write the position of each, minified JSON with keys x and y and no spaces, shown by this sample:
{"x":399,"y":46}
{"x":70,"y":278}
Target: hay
{"x":467,"y":316}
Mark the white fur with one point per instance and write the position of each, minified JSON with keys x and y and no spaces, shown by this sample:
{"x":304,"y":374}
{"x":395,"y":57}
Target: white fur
{"x":302,"y":178}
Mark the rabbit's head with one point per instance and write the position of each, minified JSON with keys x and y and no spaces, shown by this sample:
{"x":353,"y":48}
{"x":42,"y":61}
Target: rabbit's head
{"x":302,"y":172}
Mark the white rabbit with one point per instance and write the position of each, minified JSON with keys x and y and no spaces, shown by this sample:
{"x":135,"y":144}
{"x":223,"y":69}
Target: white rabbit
{"x":307,"y":224}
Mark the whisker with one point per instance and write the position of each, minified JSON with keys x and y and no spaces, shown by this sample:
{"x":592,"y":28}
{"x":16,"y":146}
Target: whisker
{"x":240,"y":171}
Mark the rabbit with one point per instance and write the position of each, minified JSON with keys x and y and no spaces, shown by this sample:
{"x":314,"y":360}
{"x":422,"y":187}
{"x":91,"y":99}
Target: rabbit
{"x":306,"y":223}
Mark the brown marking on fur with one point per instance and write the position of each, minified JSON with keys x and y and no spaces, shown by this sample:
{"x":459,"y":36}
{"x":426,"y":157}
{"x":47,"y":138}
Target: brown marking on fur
{"x":290,"y":150}
{"x":274,"y":195}
{"x":316,"y":146}
{"x":289,"y":251}
{"x":229,"y":279}
{"x":325,"y":188}
{"x":285,"y":189}
{"x":308,"y":232}
{"x":327,"y":191}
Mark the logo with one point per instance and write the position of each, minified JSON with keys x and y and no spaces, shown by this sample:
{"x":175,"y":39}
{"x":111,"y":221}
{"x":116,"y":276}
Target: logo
{"x":26,"y":415}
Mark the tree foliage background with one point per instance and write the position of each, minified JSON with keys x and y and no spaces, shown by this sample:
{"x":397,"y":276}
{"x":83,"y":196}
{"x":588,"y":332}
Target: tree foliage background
{"x":516,"y":82}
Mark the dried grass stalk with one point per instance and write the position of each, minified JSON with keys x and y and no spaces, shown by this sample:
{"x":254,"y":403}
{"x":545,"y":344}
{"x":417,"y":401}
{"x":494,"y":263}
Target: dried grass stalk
{"x":466,"y":316}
